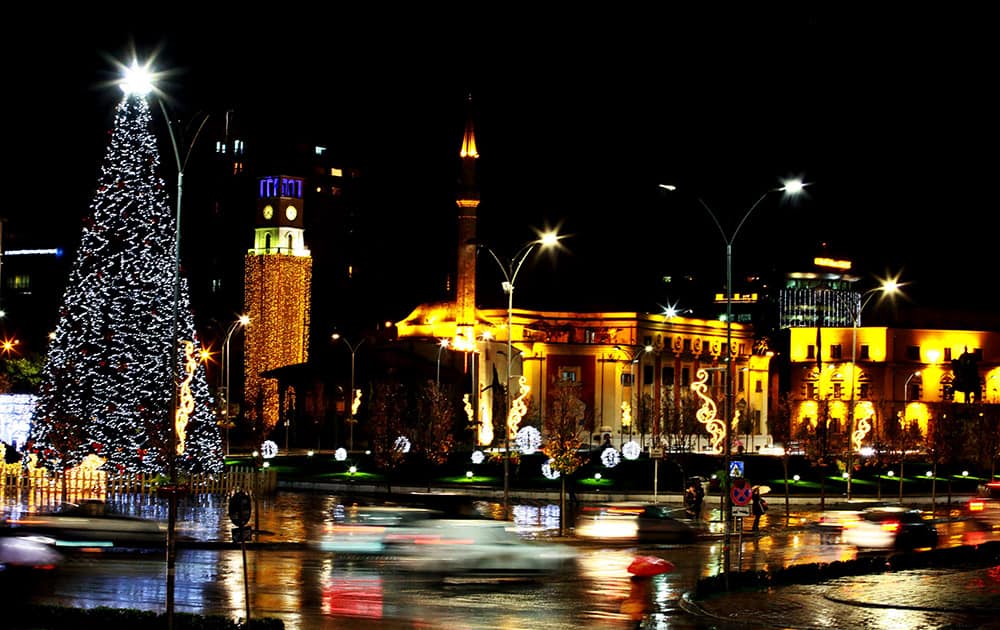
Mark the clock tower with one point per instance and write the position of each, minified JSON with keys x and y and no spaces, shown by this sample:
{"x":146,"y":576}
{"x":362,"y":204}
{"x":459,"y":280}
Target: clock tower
{"x":277,"y":287}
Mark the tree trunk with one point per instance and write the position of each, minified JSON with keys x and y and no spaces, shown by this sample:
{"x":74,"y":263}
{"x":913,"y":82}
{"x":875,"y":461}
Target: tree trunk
{"x":934,"y":489}
{"x":562,"y":505}
{"x":784,"y":462}
{"x":901,"y":481}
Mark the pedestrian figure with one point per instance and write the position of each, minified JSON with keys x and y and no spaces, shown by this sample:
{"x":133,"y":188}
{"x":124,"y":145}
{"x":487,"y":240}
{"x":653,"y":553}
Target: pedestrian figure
{"x":757,"y":506}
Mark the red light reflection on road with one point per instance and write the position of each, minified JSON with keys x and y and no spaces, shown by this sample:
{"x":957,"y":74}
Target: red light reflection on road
{"x":353,"y":597}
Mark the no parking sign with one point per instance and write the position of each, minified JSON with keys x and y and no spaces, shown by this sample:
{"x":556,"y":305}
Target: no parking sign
{"x":741,"y":493}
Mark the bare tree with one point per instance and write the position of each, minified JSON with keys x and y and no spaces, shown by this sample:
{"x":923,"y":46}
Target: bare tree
{"x":386,"y":409}
{"x":566,"y":417}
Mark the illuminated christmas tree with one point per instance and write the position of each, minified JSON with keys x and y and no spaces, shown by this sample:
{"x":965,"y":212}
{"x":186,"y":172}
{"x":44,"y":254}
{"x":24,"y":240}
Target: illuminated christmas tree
{"x":107,"y":384}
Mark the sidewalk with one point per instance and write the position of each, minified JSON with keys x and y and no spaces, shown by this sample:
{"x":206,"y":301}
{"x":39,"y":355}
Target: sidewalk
{"x":920,"y":598}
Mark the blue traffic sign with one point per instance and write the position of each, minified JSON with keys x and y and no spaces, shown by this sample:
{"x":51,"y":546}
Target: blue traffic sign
{"x":736,"y":469}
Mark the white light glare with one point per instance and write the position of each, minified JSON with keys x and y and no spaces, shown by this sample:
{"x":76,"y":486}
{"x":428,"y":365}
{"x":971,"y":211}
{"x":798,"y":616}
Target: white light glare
{"x":137,"y":80}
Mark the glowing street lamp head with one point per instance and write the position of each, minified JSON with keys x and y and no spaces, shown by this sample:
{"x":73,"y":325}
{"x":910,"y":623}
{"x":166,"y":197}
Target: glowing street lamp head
{"x":137,"y":80}
{"x":244,"y":320}
{"x":792,"y":186}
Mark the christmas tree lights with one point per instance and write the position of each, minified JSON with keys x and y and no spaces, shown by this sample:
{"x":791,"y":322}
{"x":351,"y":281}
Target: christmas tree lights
{"x":107,"y":383}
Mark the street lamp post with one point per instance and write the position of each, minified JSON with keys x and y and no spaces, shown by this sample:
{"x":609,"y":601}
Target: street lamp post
{"x":790,"y":187}
{"x":242,"y":321}
{"x":634,"y":359}
{"x":350,"y":398}
{"x":886,"y":288}
{"x":510,"y":271}
{"x":139,"y":80}
{"x":444,"y":343}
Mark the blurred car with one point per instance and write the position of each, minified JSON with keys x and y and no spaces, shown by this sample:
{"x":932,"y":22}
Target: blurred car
{"x":89,"y":524}
{"x":475,"y":548}
{"x":363,"y":529}
{"x":18,"y":553}
{"x":985,"y":506}
{"x":831,"y":523}
{"x":640,"y":522}
{"x":891,"y":528}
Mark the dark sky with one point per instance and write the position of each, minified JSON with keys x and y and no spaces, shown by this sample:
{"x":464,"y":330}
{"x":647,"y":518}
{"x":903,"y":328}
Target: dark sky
{"x":890,"y":118}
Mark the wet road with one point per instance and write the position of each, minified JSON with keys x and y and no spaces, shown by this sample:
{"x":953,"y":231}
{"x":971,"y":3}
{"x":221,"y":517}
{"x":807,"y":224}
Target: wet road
{"x":309,"y":589}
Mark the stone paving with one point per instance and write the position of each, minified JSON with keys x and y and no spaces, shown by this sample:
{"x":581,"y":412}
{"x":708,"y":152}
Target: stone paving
{"x":924,"y":598}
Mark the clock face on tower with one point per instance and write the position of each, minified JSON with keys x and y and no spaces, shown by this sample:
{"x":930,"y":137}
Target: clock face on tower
{"x":291,"y":212}
{"x":268,"y":212}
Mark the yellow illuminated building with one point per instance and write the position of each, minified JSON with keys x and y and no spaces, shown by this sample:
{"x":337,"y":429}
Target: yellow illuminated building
{"x":277,"y":284}
{"x":896,"y":372}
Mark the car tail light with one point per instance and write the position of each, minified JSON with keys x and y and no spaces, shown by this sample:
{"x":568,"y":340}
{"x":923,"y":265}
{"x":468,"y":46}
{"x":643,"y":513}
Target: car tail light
{"x":890,"y":526}
{"x":977,"y":505}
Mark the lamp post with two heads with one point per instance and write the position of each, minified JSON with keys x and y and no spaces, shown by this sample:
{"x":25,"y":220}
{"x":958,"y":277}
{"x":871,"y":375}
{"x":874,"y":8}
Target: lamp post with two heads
{"x":510,"y":271}
{"x":789,"y":187}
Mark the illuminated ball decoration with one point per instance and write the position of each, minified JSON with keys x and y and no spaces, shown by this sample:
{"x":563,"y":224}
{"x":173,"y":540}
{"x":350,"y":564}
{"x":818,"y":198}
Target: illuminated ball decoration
{"x":477,"y":457}
{"x":268,"y":449}
{"x":402,"y":444}
{"x":340,"y":454}
{"x":529,"y":439}
{"x":610,"y":458}
{"x":548,"y":472}
{"x":631,"y":450}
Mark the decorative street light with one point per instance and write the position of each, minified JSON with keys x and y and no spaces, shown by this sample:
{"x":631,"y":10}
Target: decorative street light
{"x":789,"y":187}
{"x":444,"y":343}
{"x":906,"y":392}
{"x":510,"y":271}
{"x":241,"y":322}
{"x":888,"y":287}
{"x":350,"y":399}
{"x":139,"y":80}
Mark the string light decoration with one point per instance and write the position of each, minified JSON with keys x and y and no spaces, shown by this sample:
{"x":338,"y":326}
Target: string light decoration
{"x":631,"y":450}
{"x":477,"y":457}
{"x":277,"y":300}
{"x":548,"y":471}
{"x":610,"y":458}
{"x":106,"y":387}
{"x":529,"y":439}
{"x":517,"y":406}
{"x":402,"y":444}
{"x":186,"y":406}
{"x":269,"y":449}
{"x":706,"y":414}
{"x":864,"y":424}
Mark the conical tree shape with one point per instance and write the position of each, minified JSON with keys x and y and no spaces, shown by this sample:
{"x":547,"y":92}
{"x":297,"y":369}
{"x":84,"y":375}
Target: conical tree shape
{"x":107,"y":383}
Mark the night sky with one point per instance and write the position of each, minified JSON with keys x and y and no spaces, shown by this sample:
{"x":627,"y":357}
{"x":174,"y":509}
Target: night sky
{"x":890,"y":118}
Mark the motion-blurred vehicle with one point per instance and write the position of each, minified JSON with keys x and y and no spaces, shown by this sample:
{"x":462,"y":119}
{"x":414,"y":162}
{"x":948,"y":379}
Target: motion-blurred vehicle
{"x":831,"y":523}
{"x":640,"y":522}
{"x":88,"y":524}
{"x":891,"y":528}
{"x":985,"y":506}
{"x":33,"y":553}
{"x":363,"y":529}
{"x":475,"y":549}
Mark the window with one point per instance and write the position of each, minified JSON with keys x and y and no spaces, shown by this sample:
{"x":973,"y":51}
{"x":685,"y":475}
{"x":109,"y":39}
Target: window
{"x":569,"y":374}
{"x":685,"y":377}
{"x":647,"y":341}
{"x":627,"y":379}
{"x":947,"y":354}
{"x":811,"y":391}
{"x":811,"y":351}
{"x":759,"y":386}
{"x":647,"y":375}
{"x":836,"y":352}
{"x":838,"y":390}
{"x":913,"y":353}
{"x":667,"y":376}
{"x":865,"y":351}
{"x":740,"y":385}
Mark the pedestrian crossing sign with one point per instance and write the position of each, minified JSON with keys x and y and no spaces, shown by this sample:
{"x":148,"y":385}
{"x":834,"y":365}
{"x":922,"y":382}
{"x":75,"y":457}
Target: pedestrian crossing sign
{"x":736,"y":469}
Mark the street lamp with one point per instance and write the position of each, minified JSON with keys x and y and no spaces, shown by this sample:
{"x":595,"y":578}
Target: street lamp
{"x":510,"y":271}
{"x":242,"y":321}
{"x":888,"y":287}
{"x":789,"y":187}
{"x":443,"y":344}
{"x":350,"y":399}
{"x":906,"y":392}
{"x":139,"y":80}
{"x":634,"y":359}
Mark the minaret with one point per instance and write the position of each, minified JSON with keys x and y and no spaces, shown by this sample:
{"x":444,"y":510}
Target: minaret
{"x":467,"y":201}
{"x":276,"y":293}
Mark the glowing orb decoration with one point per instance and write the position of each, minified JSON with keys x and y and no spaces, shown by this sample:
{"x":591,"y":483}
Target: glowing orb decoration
{"x":529,"y":439}
{"x":610,"y":458}
{"x":631,"y":450}
{"x":468,"y":474}
{"x":548,"y":472}
{"x":866,"y":451}
{"x":352,"y":469}
{"x":402,"y":444}
{"x":340,"y":454}
{"x":268,"y":449}
{"x":267,"y":464}
{"x":477,"y":457}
